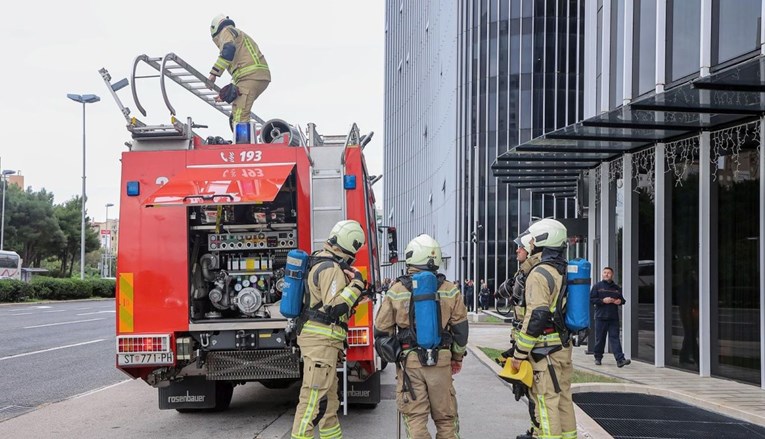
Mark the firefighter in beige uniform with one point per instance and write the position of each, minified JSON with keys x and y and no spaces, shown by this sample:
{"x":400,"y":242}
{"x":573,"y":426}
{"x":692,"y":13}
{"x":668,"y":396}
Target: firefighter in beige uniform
{"x":540,"y":340}
{"x":334,"y":288}
{"x":424,"y":390}
{"x":241,"y":56}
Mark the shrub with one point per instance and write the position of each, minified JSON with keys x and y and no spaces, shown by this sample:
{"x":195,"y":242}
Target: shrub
{"x":12,"y":290}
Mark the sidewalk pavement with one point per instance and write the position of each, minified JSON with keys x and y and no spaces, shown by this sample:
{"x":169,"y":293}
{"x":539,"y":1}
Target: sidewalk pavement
{"x":737,"y":400}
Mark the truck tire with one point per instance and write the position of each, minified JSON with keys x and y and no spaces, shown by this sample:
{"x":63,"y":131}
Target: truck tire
{"x":223,"y":393}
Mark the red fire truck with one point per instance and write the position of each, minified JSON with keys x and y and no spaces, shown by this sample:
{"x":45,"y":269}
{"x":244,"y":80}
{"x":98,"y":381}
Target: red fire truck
{"x":205,"y":229}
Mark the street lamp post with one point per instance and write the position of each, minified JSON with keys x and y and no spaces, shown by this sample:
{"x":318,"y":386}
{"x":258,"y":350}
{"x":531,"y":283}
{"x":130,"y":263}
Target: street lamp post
{"x":5,"y":175}
{"x":83,"y":99}
{"x":108,"y":253}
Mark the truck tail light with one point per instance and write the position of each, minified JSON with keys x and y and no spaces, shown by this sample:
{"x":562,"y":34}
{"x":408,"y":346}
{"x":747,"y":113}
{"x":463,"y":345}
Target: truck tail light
{"x":142,"y":344}
{"x":358,"y":337}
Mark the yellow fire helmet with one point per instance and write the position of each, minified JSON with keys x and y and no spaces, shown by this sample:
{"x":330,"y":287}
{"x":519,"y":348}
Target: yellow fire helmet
{"x":525,"y":374}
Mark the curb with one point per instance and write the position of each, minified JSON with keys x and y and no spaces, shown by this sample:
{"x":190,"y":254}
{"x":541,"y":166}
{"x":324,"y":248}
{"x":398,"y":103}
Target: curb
{"x":45,"y":302}
{"x":585,"y":425}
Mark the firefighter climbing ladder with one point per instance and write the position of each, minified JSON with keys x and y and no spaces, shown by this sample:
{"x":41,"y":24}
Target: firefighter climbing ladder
{"x":179,"y":71}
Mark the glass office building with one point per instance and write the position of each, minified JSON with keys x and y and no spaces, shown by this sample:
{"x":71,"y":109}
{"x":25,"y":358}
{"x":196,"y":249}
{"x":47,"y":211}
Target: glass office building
{"x":642,"y":118}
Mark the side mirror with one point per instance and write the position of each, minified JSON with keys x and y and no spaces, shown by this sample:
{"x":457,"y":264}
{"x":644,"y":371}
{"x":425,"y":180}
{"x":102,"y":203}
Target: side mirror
{"x":392,"y":238}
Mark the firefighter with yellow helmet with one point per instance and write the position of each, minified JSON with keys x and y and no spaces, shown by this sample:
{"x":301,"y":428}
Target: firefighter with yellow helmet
{"x":241,"y":56}
{"x":334,"y":287}
{"x":542,"y":338}
{"x":424,"y":376}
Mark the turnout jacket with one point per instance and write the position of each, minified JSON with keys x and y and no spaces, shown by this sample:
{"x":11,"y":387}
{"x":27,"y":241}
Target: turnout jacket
{"x":520,"y":283}
{"x":537,"y":328}
{"x":240,"y":55}
{"x":394,"y":313}
{"x":327,"y":286}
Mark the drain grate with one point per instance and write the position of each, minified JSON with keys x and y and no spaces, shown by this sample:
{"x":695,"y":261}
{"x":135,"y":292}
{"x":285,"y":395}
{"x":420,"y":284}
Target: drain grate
{"x":632,"y":415}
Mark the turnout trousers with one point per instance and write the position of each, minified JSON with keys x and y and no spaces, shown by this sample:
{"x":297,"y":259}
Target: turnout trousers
{"x":435,"y":396}
{"x":250,"y":90}
{"x":554,"y":411}
{"x":318,"y":396}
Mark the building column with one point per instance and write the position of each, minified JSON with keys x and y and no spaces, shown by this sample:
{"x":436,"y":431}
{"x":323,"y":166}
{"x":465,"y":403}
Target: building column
{"x":705,"y":247}
{"x":762,"y":248}
{"x":592,"y":221}
{"x":607,"y":215}
{"x":660,"y":260}
{"x":629,"y":259}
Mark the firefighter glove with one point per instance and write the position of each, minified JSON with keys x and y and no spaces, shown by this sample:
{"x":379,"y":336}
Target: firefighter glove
{"x":338,"y":311}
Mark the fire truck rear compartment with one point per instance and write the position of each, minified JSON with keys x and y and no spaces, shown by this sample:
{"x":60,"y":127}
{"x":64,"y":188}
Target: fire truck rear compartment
{"x":237,"y":254}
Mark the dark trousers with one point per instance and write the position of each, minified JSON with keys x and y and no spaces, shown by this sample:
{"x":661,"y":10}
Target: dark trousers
{"x":610,"y":328}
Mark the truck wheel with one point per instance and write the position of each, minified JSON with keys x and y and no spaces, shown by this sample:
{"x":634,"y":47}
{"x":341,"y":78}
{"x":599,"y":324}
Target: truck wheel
{"x":223,"y":393}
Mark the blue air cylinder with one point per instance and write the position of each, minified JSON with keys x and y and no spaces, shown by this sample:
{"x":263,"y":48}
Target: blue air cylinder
{"x":295,"y":273}
{"x":426,"y":309}
{"x":578,"y":301}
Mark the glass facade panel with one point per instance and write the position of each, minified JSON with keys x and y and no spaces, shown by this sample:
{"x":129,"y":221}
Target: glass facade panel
{"x":646,"y":283}
{"x":644,"y":47}
{"x":735,"y":28}
{"x":736,"y":348}
{"x":683,"y":38}
{"x":684,"y":189}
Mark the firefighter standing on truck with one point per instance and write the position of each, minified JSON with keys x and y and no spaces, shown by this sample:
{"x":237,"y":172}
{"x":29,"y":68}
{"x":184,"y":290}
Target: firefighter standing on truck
{"x":543,"y":339}
{"x":423,"y":389}
{"x":241,"y":56}
{"x":333,"y":289}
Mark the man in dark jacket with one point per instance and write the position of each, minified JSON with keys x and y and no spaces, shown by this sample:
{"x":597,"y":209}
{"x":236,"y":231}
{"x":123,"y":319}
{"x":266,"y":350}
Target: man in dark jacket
{"x":607,"y":296}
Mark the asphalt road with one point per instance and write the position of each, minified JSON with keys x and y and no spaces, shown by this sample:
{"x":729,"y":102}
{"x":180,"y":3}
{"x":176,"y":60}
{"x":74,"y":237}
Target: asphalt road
{"x":50,"y":352}
{"x":95,"y":401}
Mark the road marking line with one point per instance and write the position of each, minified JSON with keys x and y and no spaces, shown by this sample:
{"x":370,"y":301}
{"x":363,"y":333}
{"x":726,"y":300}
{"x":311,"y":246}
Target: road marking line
{"x":97,"y":312}
{"x":62,"y":323}
{"x":52,"y":349}
{"x":21,"y":314}
{"x":58,"y":310}
{"x":80,"y":309}
{"x":90,"y":392}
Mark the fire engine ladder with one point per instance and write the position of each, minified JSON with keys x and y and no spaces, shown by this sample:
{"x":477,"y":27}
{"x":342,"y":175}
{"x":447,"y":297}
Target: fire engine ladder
{"x":343,"y":368}
{"x":174,"y":67}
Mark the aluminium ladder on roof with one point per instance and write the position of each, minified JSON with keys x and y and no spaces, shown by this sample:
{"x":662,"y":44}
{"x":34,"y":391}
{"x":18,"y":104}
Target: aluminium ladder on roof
{"x":179,"y":71}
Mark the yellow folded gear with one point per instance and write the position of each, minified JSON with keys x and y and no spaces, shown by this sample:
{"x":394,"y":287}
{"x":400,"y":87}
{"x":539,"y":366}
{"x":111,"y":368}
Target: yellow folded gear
{"x":524,"y":374}
{"x":501,"y":360}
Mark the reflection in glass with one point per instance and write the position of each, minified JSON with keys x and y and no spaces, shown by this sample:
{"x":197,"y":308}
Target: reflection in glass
{"x":617,"y":53}
{"x":735,"y":28}
{"x":684,"y":190}
{"x":646,"y":313}
{"x":683,"y":38}
{"x":737,"y":351}
{"x":645,"y":46}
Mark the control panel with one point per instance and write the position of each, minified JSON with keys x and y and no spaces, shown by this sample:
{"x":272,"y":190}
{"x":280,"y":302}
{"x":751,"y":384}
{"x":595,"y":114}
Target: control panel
{"x":252,"y":240}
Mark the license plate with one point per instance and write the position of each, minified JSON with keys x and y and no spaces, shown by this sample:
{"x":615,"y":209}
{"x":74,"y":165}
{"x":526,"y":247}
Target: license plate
{"x":145,"y":359}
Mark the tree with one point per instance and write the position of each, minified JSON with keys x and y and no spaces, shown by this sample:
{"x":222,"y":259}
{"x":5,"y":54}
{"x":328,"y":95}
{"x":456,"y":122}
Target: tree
{"x":31,"y":228}
{"x":69,"y":219}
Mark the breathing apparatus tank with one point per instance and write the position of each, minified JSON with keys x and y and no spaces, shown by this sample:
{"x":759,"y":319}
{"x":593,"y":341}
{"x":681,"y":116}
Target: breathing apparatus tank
{"x":295,"y":273}
{"x":578,"y":301}
{"x":426,"y":309}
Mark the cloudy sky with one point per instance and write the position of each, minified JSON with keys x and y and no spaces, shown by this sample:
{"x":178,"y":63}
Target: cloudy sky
{"x":326,"y":60}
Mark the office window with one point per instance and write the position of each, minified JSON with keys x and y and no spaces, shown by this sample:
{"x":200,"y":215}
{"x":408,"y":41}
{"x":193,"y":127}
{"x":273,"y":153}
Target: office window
{"x":644,"y":47}
{"x":735,"y":28}
{"x":683,"y":38}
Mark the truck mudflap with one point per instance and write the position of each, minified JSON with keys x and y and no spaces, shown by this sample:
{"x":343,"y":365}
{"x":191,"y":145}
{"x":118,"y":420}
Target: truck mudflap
{"x":194,"y":393}
{"x":365,"y":392}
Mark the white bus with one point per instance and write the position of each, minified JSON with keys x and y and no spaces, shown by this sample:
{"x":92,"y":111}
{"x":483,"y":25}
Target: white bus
{"x":10,"y":265}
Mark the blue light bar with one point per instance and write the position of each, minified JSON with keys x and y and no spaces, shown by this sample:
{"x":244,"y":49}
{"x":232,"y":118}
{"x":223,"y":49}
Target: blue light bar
{"x":133,"y":188}
{"x":242,"y":134}
{"x":349,"y":182}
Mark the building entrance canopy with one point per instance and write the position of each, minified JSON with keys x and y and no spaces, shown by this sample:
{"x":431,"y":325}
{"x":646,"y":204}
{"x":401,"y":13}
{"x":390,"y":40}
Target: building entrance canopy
{"x":726,"y":98}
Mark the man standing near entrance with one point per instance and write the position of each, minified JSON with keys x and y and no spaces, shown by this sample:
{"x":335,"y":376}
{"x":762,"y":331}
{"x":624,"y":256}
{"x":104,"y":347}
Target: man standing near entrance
{"x":607,"y":297}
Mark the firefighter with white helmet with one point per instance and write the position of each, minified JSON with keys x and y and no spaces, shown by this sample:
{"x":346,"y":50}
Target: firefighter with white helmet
{"x":241,"y":56}
{"x":334,"y":287}
{"x":542,"y":338}
{"x":424,"y":379}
